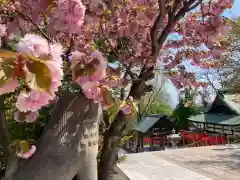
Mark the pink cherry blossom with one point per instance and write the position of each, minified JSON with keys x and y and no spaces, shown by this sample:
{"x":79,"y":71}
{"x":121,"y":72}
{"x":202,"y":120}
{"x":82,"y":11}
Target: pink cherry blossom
{"x":97,"y":55}
{"x":57,"y":73}
{"x":77,"y":56}
{"x":2,"y":30}
{"x":56,"y":50}
{"x":55,"y":69}
{"x":82,"y":79}
{"x":29,"y":117}
{"x":100,"y":69}
{"x":99,"y":74}
{"x":10,"y":86}
{"x":126,"y":109}
{"x":32,"y":101}
{"x":91,"y":90}
{"x":16,"y":116}
{"x":27,"y":155}
{"x":32,"y":44}
{"x":90,"y":83}
{"x":68,"y":16}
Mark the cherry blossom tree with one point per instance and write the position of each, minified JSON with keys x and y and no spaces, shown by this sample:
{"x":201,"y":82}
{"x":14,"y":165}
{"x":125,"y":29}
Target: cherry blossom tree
{"x":49,"y":45}
{"x":229,"y":72}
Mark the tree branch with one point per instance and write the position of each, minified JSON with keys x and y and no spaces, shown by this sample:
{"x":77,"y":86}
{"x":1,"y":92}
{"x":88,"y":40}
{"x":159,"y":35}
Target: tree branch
{"x":29,"y":18}
{"x":129,"y":72}
{"x":172,"y":20}
{"x":106,"y":119}
{"x":195,"y":5}
{"x":151,"y":99}
{"x":157,"y":25}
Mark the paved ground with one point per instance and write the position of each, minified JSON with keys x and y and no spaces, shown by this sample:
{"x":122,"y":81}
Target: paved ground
{"x":200,"y":163}
{"x":119,"y":175}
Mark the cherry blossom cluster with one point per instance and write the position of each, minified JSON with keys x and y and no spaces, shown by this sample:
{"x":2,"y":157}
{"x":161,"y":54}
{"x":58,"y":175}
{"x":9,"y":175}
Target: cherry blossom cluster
{"x":68,"y":17}
{"x":29,"y":102}
{"x":90,"y":83}
{"x":201,"y":42}
{"x":51,"y":31}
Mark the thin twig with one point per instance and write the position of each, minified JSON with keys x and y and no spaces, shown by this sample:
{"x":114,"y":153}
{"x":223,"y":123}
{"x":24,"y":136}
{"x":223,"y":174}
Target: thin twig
{"x":151,"y":99}
{"x":231,"y":21}
{"x":27,"y":17}
{"x":128,"y":68}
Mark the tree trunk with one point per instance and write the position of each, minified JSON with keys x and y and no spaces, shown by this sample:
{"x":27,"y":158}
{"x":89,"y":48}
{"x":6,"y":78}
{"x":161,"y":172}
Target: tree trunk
{"x":111,"y":147}
{"x":68,"y":145}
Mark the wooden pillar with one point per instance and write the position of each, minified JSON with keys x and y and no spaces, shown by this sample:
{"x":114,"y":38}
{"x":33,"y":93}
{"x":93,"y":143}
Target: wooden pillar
{"x":197,"y":125}
{"x":137,"y":140}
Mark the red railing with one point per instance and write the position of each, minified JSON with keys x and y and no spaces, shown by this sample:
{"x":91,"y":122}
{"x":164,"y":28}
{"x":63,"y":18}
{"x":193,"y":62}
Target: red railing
{"x":196,"y":139}
{"x":202,"y":139}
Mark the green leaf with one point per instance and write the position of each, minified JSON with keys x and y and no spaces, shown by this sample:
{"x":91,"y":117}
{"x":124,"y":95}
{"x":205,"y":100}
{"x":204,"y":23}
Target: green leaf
{"x":15,"y":142}
{"x":100,"y":44}
{"x":7,"y":68}
{"x":4,"y":1}
{"x":107,"y":97}
{"x":38,"y":76}
{"x":3,"y":78}
{"x":24,"y":146}
{"x":122,"y":44}
{"x":112,"y":59}
{"x":79,"y":70}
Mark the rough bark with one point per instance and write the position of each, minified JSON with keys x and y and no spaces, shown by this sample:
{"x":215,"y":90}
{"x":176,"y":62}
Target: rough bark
{"x":68,"y":145}
{"x":111,"y":147}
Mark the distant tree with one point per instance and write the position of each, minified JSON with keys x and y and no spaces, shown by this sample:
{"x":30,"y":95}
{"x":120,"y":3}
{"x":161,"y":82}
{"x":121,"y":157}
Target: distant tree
{"x":160,"y":108}
{"x":181,"y":113}
{"x":229,"y":73}
{"x":157,"y":101}
{"x":187,"y":107}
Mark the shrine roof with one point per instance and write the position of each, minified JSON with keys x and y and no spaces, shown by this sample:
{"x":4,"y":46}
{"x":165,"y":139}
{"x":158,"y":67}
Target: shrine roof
{"x":221,"y":119}
{"x":149,"y":121}
{"x":225,"y":110}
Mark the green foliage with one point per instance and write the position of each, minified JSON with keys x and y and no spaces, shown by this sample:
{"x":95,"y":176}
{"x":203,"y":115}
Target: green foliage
{"x":22,"y":131}
{"x":155,"y":102}
{"x":159,"y":108}
{"x":126,"y":138}
{"x":235,"y":27}
{"x":122,"y":159}
{"x":122,"y":44}
{"x":182,"y":113}
{"x":111,"y":52}
{"x":229,"y":73}
{"x":112,"y":113}
{"x":7,"y":68}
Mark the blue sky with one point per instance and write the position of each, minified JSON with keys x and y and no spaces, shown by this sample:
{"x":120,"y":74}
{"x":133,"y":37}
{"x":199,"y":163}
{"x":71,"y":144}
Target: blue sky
{"x":231,"y":13}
